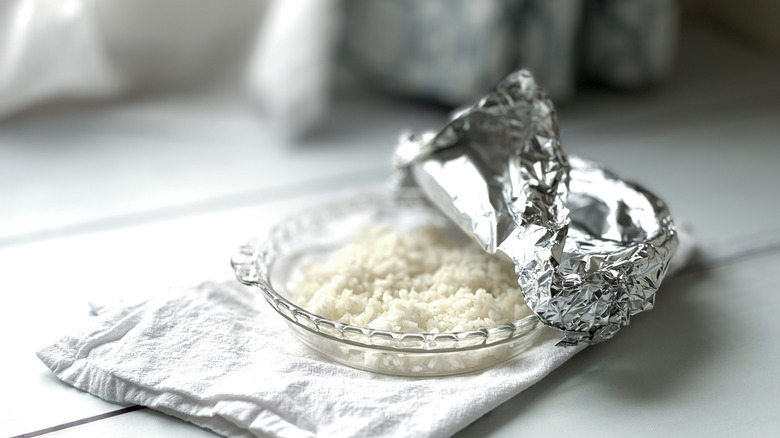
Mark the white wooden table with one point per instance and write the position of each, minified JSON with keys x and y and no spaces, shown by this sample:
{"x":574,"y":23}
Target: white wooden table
{"x":121,"y":201}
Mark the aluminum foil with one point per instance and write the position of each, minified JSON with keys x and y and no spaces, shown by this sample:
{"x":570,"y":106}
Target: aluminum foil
{"x":589,"y":249}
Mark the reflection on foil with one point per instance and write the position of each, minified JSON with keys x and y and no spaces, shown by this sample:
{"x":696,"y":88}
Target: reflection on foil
{"x":590,"y":250}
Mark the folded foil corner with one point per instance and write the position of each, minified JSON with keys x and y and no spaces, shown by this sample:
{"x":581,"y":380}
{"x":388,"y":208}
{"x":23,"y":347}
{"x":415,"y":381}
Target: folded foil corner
{"x":589,"y":249}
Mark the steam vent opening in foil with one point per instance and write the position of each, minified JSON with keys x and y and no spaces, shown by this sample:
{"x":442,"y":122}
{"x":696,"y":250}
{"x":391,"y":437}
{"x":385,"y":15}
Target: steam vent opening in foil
{"x":589,"y":249}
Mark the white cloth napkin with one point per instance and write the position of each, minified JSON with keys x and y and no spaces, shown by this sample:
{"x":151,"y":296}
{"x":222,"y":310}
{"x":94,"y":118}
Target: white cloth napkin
{"x":218,"y":356}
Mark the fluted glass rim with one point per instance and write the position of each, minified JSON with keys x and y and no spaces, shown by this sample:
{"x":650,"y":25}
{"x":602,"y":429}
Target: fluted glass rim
{"x":254,"y":262}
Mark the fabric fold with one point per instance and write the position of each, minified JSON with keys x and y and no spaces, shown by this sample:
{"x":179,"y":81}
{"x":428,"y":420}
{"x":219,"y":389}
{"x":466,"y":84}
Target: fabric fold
{"x":218,"y":356}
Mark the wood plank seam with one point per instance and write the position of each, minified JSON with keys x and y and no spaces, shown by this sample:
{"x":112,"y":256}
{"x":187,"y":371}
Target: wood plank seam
{"x":79,"y":422}
{"x":227,"y":202}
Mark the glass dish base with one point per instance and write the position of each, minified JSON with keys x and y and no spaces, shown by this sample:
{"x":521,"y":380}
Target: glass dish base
{"x":273,"y":264}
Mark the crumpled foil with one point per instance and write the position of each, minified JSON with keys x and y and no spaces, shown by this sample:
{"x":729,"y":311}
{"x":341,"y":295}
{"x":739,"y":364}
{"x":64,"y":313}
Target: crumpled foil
{"x":589,"y":249}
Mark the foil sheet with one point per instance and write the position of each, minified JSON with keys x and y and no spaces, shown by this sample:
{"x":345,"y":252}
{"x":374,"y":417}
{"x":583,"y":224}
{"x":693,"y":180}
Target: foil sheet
{"x":589,"y":249}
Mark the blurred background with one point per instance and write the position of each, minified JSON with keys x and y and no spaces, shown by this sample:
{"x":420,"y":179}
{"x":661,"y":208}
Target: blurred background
{"x":120,"y":112}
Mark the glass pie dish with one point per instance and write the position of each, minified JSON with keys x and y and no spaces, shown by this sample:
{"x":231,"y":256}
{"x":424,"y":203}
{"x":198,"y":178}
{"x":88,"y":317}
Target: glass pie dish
{"x":273,"y":264}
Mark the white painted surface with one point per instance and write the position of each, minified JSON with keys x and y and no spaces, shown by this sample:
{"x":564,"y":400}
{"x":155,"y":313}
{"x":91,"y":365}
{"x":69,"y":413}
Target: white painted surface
{"x":102,"y":203}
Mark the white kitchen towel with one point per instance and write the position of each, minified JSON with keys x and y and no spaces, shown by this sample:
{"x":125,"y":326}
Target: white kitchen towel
{"x":218,"y":356}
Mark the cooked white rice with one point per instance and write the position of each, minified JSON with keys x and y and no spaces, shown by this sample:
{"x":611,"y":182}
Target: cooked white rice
{"x":416,"y":281}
